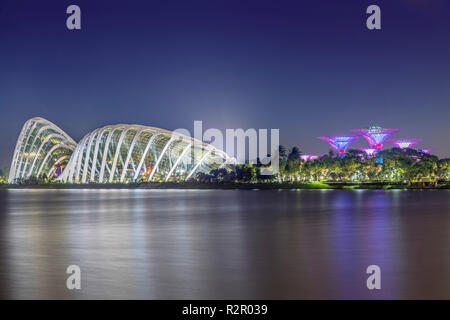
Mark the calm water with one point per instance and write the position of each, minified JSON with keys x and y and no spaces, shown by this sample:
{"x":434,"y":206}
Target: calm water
{"x":213,"y":244}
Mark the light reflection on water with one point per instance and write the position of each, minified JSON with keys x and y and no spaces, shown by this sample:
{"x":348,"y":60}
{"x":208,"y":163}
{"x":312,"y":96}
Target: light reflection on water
{"x":224,"y":244}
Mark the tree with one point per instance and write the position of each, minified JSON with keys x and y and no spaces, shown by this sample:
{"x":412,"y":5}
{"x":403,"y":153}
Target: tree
{"x":282,"y":151}
{"x":246,"y":173}
{"x":292,"y":165}
{"x":444,"y":169}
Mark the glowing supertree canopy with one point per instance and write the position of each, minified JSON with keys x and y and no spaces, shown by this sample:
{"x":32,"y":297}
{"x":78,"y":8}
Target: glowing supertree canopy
{"x":427,"y":151}
{"x":309,"y":156}
{"x":304,"y":157}
{"x":339,"y":143}
{"x":403,"y":143}
{"x":369,"y":151}
{"x":375,"y":136}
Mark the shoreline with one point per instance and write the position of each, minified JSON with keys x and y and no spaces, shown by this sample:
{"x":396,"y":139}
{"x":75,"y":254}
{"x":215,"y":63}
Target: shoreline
{"x":230,"y":186}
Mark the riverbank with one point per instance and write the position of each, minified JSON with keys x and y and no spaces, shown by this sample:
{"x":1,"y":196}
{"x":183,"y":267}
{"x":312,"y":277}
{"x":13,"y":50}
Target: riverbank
{"x":225,"y":186}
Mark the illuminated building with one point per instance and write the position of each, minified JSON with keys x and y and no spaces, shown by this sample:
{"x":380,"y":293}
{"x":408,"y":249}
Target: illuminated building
{"x":116,"y":153}
{"x":42,"y":150}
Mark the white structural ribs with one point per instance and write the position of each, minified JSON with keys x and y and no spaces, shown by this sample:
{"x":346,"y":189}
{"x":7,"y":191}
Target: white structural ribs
{"x":119,"y":153}
{"x":129,"y":153}
{"x":39,"y":145}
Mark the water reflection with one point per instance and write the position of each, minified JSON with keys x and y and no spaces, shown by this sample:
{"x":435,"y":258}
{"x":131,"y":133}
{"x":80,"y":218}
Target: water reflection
{"x":212,"y":244}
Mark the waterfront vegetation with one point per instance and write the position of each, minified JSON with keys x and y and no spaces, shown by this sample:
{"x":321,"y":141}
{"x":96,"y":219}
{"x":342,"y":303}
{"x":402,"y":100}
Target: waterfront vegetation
{"x":400,"y":169}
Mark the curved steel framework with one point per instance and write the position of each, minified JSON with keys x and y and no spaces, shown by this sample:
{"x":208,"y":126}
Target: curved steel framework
{"x":42,"y":149}
{"x":127,"y":153}
{"x":403,"y":143}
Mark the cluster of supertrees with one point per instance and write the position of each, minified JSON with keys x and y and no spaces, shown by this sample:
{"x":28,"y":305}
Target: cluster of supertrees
{"x":374,"y":135}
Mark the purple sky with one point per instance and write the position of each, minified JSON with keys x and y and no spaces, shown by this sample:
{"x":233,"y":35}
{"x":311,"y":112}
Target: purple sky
{"x":309,"y":68}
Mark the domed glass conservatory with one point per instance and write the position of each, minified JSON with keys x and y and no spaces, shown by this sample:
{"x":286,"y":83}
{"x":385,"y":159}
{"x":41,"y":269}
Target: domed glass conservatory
{"x":119,"y":153}
{"x":42,"y":150}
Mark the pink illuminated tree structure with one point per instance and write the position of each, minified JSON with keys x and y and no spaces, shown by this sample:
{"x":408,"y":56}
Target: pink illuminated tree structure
{"x":309,"y":156}
{"x":375,"y":136}
{"x":339,"y":143}
{"x":370,"y":152}
{"x":403,"y":143}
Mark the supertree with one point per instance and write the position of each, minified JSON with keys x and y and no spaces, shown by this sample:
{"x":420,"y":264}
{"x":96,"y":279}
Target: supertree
{"x":370,"y":152}
{"x":339,"y":143}
{"x":403,"y":143}
{"x":375,"y":136}
{"x":309,"y":156}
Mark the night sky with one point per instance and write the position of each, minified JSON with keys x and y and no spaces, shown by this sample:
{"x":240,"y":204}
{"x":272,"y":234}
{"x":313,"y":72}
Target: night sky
{"x":309,"y":68}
